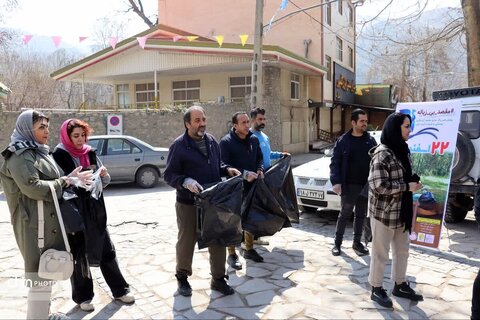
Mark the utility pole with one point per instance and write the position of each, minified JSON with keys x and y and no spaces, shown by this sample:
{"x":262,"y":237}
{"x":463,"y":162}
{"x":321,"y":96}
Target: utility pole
{"x":256,"y":97}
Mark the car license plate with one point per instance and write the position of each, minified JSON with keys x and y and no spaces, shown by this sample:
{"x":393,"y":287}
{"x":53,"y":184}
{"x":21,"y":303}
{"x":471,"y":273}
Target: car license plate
{"x":310,"y":194}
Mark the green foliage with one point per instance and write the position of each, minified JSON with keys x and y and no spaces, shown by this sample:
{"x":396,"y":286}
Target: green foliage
{"x":438,"y":186}
{"x":426,"y":164}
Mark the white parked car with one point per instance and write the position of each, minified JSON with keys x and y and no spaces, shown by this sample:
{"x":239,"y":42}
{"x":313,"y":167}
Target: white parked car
{"x":313,"y":186}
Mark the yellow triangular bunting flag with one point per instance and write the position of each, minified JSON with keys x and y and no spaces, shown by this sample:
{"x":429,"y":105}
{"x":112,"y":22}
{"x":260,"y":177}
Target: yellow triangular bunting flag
{"x":219,"y":40}
{"x":243,"y":38}
{"x":192,"y":38}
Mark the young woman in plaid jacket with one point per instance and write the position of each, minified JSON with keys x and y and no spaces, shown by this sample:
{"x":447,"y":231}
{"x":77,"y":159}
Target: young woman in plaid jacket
{"x":390,"y":207}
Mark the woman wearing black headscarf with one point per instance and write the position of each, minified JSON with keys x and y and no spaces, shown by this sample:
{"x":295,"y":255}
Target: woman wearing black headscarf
{"x":390,"y":207}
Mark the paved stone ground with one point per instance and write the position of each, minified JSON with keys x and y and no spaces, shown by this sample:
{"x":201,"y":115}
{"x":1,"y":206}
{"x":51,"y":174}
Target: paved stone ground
{"x":299,"y":278}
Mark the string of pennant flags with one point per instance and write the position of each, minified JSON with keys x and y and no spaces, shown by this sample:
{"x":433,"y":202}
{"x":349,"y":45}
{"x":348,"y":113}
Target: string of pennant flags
{"x":57,"y":40}
{"x":141,"y":40}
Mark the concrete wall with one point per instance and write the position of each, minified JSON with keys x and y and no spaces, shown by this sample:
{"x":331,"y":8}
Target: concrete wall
{"x":155,"y":127}
{"x":287,"y":120}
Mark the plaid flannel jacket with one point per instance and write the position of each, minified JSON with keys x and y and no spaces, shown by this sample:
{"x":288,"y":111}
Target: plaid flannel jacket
{"x":385,"y":181}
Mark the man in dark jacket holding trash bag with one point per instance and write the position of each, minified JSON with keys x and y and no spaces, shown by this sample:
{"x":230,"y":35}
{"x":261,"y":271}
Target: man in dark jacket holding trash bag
{"x":194,"y":160}
{"x":240,"y":149}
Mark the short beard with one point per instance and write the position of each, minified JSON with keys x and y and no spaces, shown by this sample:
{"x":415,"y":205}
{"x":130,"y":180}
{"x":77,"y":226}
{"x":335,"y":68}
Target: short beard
{"x":259,"y":127}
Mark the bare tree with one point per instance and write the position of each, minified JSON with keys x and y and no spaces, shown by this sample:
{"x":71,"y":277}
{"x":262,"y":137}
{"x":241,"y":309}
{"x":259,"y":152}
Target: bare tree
{"x":6,"y":7}
{"x":27,"y":74}
{"x":104,"y":30}
{"x":454,"y":29}
{"x":471,"y":12}
{"x":137,"y":7}
{"x":417,"y":54}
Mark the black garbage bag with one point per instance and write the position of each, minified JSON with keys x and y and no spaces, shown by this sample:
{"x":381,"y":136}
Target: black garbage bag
{"x":279,"y":179}
{"x":263,"y":207}
{"x":271,"y":203}
{"x":218,"y":214}
{"x":261,"y":212}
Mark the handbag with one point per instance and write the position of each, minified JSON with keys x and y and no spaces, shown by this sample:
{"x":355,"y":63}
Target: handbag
{"x":54,"y":264}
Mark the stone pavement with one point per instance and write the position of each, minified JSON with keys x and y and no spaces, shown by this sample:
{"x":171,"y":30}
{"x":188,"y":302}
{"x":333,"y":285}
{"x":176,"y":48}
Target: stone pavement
{"x":299,"y":278}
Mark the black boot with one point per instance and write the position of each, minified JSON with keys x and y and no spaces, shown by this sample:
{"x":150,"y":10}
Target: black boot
{"x":184,"y":288}
{"x":360,"y":249}
{"x":221,"y":286}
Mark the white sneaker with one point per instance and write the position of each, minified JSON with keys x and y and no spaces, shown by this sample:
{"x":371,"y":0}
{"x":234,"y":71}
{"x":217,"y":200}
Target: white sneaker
{"x":126,"y":298}
{"x":87,"y":306}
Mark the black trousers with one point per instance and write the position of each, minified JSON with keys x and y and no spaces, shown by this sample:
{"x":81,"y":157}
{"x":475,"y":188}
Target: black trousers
{"x":350,"y":200}
{"x":476,"y":298}
{"x":81,"y":279}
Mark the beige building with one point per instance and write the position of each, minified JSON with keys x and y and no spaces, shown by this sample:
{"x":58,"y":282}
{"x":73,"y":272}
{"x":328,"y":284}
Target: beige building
{"x":299,"y":52}
{"x":323,"y":33}
{"x":167,"y":73}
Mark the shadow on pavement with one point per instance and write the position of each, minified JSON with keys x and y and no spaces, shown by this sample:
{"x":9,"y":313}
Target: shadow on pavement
{"x":256,"y":287}
{"x":107,"y":312}
{"x":461,"y":245}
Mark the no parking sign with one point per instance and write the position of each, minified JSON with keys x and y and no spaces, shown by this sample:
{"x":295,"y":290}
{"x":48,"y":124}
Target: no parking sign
{"x":115,"y":124}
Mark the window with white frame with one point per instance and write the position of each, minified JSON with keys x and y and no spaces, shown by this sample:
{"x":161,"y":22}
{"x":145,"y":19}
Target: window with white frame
{"x":339,"y":44}
{"x":145,"y":94}
{"x":123,"y":96}
{"x":350,"y":15}
{"x":239,"y":87}
{"x":328,"y":61}
{"x":350,"y":57}
{"x":294,"y":86}
{"x":186,"y":92}
{"x":328,"y":13}
{"x":340,"y":6}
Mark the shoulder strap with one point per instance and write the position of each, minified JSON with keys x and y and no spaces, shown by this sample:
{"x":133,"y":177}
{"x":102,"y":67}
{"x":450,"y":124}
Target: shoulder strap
{"x":41,"y":224}
{"x":59,"y":215}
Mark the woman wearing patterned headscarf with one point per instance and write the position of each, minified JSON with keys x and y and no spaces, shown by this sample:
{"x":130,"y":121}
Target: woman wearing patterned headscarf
{"x":25,"y":176}
{"x":94,"y":242}
{"x":390,"y":207}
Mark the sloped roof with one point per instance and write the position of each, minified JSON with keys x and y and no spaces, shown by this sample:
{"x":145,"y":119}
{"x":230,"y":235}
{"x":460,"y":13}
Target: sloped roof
{"x":4,"y":90}
{"x":161,"y":38}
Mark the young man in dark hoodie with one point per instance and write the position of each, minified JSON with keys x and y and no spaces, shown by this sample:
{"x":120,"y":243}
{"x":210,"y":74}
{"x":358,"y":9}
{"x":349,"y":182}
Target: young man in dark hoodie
{"x":240,"y":149}
{"x":348,"y":174}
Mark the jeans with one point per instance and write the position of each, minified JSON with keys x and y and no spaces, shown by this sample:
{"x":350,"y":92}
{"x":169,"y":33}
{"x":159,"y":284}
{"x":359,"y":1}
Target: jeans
{"x":82,"y":284}
{"x":351,"y":199}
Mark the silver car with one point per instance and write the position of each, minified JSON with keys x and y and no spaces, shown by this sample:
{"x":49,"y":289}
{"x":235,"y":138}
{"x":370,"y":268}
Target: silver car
{"x":129,"y":159}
